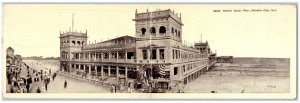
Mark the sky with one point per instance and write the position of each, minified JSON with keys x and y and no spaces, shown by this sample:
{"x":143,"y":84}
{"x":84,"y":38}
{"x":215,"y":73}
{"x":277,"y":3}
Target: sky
{"x":34,"y":29}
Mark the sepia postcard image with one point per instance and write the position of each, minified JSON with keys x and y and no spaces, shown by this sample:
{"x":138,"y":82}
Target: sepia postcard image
{"x":149,"y":51}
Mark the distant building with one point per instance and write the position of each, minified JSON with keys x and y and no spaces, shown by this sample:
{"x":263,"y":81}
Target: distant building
{"x":34,"y":58}
{"x":9,"y":56}
{"x":225,"y":59}
{"x":156,"y":55}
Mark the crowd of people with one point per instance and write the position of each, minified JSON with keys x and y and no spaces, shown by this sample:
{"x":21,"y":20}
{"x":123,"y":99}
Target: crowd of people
{"x":22,"y":81}
{"x":17,"y":83}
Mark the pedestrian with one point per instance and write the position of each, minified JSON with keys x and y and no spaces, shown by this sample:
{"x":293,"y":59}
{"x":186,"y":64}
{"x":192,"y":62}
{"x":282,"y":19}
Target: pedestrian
{"x":41,"y":77}
{"x":27,"y":87}
{"x":115,"y":88}
{"x":53,"y":77}
{"x":112,"y":88}
{"x":38,"y":90}
{"x":129,"y":89}
{"x":48,"y":80}
{"x":46,"y":86}
{"x":65,"y":84}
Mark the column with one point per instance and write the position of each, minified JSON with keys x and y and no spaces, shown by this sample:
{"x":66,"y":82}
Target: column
{"x":109,"y":71}
{"x":84,"y":68}
{"x":157,"y":54}
{"x":96,"y":70}
{"x":125,"y":54}
{"x":117,"y":55}
{"x":101,"y":56}
{"x":126,"y":69}
{"x":79,"y":66}
{"x":90,"y":56}
{"x":70,"y":67}
{"x":148,"y":52}
{"x":109,"y":55}
{"x":117,"y":69}
{"x":102,"y":71}
{"x":96,"y":56}
{"x":90,"y":70}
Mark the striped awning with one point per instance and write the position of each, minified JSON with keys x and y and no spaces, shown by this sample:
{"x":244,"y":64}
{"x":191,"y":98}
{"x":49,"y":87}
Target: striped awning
{"x":161,"y":68}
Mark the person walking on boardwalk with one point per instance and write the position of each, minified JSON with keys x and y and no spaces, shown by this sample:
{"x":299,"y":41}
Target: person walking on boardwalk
{"x":46,"y":86}
{"x":53,"y":77}
{"x":112,"y":88}
{"x":115,"y":89}
{"x":65,"y":84}
{"x":38,"y":90}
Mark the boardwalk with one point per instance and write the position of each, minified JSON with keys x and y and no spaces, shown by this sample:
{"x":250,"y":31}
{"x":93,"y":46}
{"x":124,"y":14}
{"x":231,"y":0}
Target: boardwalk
{"x":57,"y":86}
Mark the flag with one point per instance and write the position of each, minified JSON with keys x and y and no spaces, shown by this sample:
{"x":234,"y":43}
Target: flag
{"x":161,"y":69}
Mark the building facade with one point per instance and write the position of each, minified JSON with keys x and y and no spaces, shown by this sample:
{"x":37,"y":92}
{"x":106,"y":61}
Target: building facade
{"x":156,"y":57}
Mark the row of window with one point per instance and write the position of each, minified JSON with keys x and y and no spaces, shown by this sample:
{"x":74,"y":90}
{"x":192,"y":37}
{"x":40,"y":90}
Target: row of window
{"x":188,"y":67}
{"x":153,"y":20}
{"x":153,"y":54}
{"x":162,"y":30}
{"x":177,"y":54}
{"x":175,"y":32}
{"x":74,"y":43}
{"x":106,"y":55}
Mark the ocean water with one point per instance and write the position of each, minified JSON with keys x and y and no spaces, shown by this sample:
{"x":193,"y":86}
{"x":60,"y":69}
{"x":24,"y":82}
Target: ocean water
{"x":248,"y":75}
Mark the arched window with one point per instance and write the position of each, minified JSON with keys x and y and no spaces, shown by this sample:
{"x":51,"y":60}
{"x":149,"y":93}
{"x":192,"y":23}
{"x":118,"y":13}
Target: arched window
{"x":152,"y":30}
{"x":175,"y":32}
{"x":78,"y":42}
{"x":172,"y":30}
{"x":162,"y":29}
{"x":74,"y":42}
{"x":143,"y":31}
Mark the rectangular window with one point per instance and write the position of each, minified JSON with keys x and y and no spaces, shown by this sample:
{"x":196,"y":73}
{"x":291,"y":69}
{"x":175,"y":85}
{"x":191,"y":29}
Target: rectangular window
{"x":173,"y":54}
{"x":179,"y":54}
{"x":145,"y":56}
{"x":175,"y":70}
{"x":153,"y":54}
{"x":162,"y":53}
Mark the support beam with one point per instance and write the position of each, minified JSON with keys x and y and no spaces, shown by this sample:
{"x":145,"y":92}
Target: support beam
{"x":126,"y":70}
{"x":109,"y":71}
{"x":117,"y":71}
{"x":125,"y":54}
{"x":96,"y":70}
{"x":90,"y":70}
{"x":148,"y":52}
{"x":157,"y":54}
{"x":102,"y":71}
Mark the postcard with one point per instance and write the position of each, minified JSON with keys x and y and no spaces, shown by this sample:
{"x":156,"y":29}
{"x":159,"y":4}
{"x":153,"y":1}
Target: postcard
{"x":149,"y":51}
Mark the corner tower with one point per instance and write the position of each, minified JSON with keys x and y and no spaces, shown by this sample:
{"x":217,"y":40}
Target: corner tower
{"x":156,"y":33}
{"x":70,"y":42}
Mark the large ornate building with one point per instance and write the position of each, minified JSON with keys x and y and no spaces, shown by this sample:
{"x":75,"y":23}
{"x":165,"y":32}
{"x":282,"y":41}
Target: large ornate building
{"x":156,"y":56}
